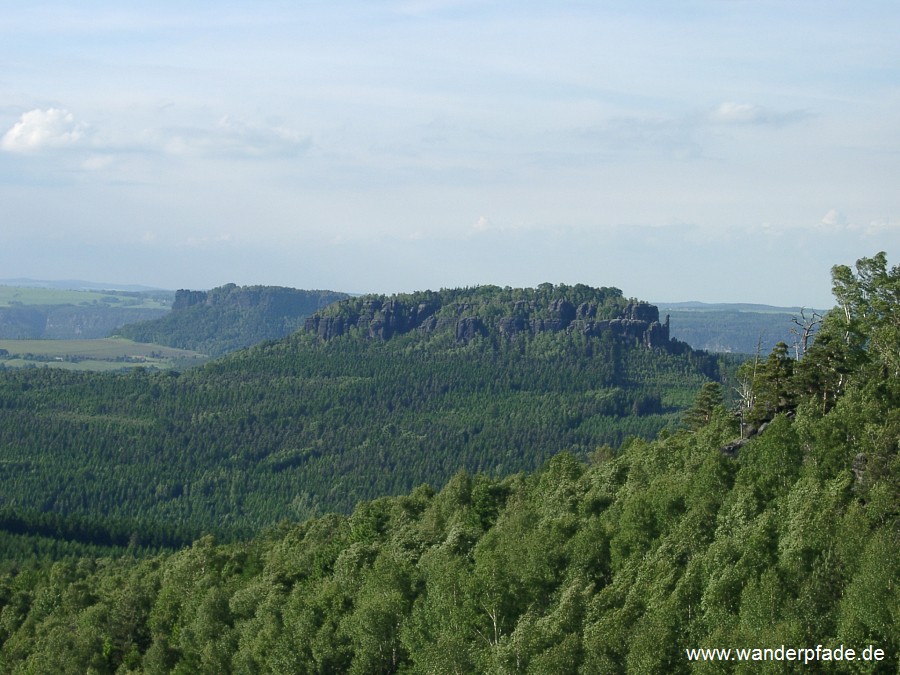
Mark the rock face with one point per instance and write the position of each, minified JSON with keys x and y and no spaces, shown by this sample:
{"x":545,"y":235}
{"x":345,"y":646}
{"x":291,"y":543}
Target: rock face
{"x":385,"y":318}
{"x":185,"y":299}
{"x":639,"y":323}
{"x":468,"y":328}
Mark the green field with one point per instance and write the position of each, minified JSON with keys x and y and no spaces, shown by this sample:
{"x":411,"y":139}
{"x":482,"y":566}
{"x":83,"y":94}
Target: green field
{"x":15,"y":296}
{"x":101,"y":354}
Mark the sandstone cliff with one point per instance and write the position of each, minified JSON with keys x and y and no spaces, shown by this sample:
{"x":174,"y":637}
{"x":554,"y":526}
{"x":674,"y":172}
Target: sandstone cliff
{"x":473,"y":313}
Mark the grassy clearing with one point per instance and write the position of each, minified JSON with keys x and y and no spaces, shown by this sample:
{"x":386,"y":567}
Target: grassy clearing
{"x":101,"y":354}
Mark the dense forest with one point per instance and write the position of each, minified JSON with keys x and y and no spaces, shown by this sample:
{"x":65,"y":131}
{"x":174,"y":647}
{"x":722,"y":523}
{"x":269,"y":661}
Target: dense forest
{"x":773,"y":527}
{"x":307,"y":425}
{"x":229,"y":317}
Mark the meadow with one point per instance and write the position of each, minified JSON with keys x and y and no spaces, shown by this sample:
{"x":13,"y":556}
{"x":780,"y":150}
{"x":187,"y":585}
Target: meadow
{"x":97,"y":355}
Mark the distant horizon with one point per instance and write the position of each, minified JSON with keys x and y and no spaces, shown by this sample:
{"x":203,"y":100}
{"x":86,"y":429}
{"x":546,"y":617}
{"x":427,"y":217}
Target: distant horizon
{"x":95,"y":286}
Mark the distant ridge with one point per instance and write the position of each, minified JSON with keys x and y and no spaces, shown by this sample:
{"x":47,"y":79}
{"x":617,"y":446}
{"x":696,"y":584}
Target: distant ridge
{"x":230,"y":317}
{"x":733,"y":307}
{"x":742,"y":328}
{"x":77,"y":285}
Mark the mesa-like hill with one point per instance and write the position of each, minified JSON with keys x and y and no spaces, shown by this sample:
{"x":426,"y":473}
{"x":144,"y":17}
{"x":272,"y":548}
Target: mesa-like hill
{"x":497,"y":313}
{"x":230,"y":317}
{"x":374,"y":396}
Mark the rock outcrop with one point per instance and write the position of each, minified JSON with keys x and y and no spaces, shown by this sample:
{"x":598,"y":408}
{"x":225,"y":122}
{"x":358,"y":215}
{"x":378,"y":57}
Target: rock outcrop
{"x":185,"y":298}
{"x":383,"y":319}
{"x":640,"y":323}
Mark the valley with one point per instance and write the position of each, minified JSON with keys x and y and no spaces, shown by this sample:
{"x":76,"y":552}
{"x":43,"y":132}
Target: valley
{"x":481,"y":480}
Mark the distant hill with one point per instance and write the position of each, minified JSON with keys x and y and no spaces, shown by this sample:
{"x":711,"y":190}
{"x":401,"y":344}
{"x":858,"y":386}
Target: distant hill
{"x":230,"y":317}
{"x":731,"y":307}
{"x":40,"y":312}
{"x":78,"y":285}
{"x":733,"y":327}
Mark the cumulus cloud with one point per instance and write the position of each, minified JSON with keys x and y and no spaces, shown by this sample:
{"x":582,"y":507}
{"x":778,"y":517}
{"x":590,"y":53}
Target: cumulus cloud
{"x":731,"y":113}
{"x":834,"y":218}
{"x":40,"y":130}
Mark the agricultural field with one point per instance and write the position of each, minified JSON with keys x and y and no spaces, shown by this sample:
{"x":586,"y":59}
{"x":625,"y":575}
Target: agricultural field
{"x":17,"y":296}
{"x":40,"y":313}
{"x":98,"y":355}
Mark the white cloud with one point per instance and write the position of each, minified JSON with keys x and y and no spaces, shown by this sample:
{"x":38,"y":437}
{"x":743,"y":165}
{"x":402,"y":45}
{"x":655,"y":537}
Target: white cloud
{"x":235,"y":138}
{"x":731,"y":113}
{"x":882,"y":225}
{"x":834,"y":219}
{"x":39,"y":130}
{"x":481,"y":225}
{"x":686,"y":136}
{"x":737,"y":113}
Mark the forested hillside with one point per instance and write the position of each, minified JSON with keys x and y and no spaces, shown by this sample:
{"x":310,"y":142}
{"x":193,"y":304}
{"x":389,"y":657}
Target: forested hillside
{"x":310,"y":424}
{"x":620,"y":563}
{"x":230,"y":317}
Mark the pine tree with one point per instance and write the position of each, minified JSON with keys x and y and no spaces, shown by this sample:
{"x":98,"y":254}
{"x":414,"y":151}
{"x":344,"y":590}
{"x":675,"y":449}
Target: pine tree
{"x":707,"y":400}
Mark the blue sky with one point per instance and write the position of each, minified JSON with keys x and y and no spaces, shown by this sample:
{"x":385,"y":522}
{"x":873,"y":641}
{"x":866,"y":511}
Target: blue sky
{"x":715,"y":151}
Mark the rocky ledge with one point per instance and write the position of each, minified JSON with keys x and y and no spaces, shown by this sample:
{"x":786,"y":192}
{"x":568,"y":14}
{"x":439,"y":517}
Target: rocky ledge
{"x":383,"y":319}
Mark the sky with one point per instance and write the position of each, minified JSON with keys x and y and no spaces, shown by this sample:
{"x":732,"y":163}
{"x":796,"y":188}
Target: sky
{"x":723,"y":151}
